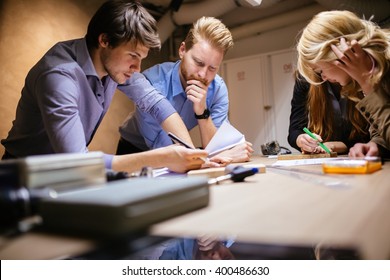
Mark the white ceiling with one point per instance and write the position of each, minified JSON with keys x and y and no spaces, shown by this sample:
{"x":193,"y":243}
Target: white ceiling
{"x":270,"y":8}
{"x":241,"y":17}
{"x":237,"y":16}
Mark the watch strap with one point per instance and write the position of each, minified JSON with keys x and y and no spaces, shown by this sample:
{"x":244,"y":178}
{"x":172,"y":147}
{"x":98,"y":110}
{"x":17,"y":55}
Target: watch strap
{"x":205,"y":115}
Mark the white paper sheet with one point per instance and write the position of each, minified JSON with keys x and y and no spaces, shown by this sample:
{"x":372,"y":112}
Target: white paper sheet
{"x":225,"y":138}
{"x":165,"y":172}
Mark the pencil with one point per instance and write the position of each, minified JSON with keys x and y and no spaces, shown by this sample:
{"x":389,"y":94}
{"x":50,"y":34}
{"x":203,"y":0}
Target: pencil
{"x":180,"y":141}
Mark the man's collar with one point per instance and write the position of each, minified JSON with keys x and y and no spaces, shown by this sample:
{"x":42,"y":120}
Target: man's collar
{"x":177,"y":87}
{"x":84,"y":58}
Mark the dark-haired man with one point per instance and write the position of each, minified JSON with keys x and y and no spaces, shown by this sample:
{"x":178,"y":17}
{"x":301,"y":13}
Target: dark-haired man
{"x":68,"y":92}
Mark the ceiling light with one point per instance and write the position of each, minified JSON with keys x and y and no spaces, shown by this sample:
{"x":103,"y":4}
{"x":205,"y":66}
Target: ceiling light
{"x":254,"y":2}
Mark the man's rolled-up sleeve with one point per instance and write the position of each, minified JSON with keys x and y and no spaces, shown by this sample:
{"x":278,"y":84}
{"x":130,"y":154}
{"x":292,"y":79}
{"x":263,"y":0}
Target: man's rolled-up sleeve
{"x":147,"y":98}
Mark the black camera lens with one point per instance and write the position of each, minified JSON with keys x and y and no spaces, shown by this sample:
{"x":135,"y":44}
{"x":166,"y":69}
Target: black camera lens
{"x":14,"y":205}
{"x":17,"y":203}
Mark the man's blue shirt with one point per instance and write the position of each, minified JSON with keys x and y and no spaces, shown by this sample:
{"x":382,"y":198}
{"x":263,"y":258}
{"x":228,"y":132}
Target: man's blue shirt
{"x":143,"y":131}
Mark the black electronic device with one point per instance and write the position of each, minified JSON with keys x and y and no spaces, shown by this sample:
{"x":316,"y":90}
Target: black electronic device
{"x":273,"y":148}
{"x":124,"y":206}
{"x":25,"y":181}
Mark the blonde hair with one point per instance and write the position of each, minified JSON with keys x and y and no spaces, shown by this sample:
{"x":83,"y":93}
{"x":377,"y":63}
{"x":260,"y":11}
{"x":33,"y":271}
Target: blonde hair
{"x":321,"y":113}
{"x":211,"y":30}
{"x":325,"y":29}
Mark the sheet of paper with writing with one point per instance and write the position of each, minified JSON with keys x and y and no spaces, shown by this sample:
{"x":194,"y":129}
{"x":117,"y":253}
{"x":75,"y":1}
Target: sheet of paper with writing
{"x":225,"y":138}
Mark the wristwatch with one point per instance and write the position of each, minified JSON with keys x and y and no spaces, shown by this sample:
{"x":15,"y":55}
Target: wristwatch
{"x":205,"y":115}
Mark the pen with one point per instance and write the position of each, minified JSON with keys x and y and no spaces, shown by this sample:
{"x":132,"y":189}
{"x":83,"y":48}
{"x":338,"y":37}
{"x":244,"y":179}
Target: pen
{"x":180,"y":141}
{"x":315,"y":138}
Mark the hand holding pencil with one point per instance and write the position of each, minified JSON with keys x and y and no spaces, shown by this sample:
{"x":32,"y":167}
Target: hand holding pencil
{"x":216,"y":161}
{"x":311,"y":143}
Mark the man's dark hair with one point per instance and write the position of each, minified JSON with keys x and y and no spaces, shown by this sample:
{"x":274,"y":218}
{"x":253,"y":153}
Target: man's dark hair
{"x":123,"y":21}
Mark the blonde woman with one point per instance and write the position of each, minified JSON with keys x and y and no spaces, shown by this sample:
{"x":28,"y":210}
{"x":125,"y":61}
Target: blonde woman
{"x":338,"y":46}
{"x":334,"y":118}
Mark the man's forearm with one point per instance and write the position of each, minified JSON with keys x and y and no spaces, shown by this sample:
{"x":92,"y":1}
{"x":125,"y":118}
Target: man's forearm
{"x":175,"y":124}
{"x":135,"y":162}
{"x":207,"y":131}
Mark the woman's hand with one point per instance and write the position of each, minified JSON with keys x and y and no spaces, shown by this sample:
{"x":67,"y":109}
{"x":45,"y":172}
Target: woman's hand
{"x":361,"y":150}
{"x":357,"y":63}
{"x":308,"y":145}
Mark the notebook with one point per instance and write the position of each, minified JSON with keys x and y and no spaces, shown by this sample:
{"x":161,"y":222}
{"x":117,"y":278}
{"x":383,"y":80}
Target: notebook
{"x":225,"y":138}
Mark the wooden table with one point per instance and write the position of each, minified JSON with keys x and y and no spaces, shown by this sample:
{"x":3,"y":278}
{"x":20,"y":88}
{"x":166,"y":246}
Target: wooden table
{"x":297,"y":207}
{"x":300,"y":206}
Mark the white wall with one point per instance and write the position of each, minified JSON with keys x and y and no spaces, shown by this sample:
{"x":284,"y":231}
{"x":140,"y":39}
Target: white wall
{"x":279,"y":39}
{"x":260,"y":92}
